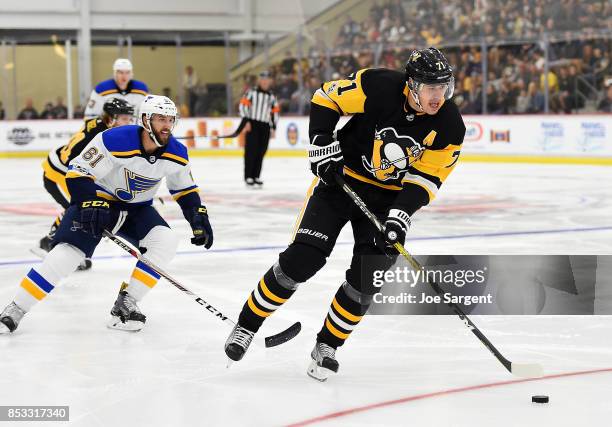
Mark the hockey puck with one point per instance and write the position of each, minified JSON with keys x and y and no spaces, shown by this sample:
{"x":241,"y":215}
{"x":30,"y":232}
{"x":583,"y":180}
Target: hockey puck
{"x":539,"y":399}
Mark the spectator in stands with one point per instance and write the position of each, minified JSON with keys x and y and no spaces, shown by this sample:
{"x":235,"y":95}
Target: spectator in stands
{"x":386,"y":21}
{"x":563,"y":95}
{"x":493,"y":101}
{"x":59,"y":110}
{"x":301,"y":98}
{"x":29,"y":112}
{"x":397,"y":31}
{"x":553,"y":82}
{"x":2,"y":112}
{"x":288,"y":64}
{"x":522,"y":101}
{"x":359,"y":43}
{"x":79,"y":112}
{"x":605,"y":106}
{"x":349,"y":29}
{"x":512,"y":67}
{"x":284,"y":90}
{"x":575,"y":87}
{"x":536,"y":99}
{"x":461,"y":97}
{"x":190,"y":83}
{"x":600,"y":64}
{"x":371,"y":31}
{"x":397,"y":10}
{"x":47,"y":113}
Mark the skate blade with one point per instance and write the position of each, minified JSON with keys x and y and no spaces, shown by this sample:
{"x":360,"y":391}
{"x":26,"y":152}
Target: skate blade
{"x":41,"y":253}
{"x":130,"y":325}
{"x":318,"y":373}
{"x":229,"y":363}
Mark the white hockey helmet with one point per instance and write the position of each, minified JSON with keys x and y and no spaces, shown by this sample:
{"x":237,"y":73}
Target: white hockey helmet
{"x":122,"y":64}
{"x":156,"y":104}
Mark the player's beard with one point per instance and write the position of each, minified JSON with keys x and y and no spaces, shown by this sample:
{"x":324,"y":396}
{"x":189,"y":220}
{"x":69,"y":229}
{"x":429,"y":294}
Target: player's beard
{"x":162,"y":138}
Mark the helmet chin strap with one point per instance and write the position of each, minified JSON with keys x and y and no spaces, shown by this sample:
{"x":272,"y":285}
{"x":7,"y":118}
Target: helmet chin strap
{"x":416,"y":100}
{"x":412,"y":88}
{"x":151,"y":134}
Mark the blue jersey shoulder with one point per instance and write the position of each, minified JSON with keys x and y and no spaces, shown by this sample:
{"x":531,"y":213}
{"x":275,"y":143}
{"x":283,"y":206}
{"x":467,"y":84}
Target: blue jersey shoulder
{"x":106,"y":85}
{"x":176,"y":148}
{"x":138,"y":85}
{"x":122,"y":139}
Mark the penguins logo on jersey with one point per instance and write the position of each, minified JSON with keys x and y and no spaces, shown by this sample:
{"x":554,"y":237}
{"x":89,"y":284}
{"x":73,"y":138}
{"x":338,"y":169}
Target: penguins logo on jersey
{"x":134,"y":184}
{"x":392,"y":154}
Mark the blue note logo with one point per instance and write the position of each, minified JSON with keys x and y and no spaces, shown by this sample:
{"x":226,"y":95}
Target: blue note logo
{"x":134,"y":184}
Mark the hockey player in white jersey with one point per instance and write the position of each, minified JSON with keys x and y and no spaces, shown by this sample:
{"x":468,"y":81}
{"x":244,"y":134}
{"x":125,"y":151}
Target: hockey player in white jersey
{"x":122,"y":85}
{"x":112,"y":185}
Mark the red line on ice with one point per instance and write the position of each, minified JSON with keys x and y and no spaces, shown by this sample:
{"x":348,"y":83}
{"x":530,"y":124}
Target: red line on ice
{"x":383,"y":404}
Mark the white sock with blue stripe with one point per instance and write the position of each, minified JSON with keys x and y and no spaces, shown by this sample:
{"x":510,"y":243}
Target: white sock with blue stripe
{"x":62,"y":260}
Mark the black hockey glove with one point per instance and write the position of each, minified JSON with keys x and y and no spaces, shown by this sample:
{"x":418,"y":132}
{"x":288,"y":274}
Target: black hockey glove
{"x":202,"y":231}
{"x":95,"y":216}
{"x":395,"y":228}
{"x":326,"y":158}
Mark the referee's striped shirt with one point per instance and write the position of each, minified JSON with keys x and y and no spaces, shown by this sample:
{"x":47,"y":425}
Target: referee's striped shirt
{"x":260,"y":105}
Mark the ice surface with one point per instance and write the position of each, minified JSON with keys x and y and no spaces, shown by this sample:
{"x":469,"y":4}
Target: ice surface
{"x":173,"y":372}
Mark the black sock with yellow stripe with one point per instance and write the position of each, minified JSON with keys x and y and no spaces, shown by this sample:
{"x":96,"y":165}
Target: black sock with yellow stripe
{"x":345,"y":312}
{"x":268,"y":296}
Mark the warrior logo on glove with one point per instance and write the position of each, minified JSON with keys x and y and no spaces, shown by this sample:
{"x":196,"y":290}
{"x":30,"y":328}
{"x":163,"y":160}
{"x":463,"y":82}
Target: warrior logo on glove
{"x":392,"y":154}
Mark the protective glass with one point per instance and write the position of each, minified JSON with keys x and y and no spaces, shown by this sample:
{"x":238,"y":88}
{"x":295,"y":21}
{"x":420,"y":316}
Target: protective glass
{"x":430,"y":89}
{"x":159,"y":119}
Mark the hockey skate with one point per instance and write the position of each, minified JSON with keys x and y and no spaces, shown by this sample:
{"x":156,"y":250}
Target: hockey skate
{"x":258,"y":183}
{"x":10,"y":318}
{"x":126,"y":315}
{"x":238,"y":343}
{"x":323,"y":363}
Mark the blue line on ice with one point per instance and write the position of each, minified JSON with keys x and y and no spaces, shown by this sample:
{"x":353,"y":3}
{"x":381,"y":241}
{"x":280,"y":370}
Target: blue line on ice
{"x":276,"y":247}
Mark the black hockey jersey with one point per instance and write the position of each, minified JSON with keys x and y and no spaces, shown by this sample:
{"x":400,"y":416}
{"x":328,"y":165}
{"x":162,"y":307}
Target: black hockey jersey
{"x":58,"y":159}
{"x":386,"y":143}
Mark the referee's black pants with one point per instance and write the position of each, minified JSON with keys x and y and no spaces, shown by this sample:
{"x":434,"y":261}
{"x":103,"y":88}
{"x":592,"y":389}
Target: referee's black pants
{"x":255,"y":148}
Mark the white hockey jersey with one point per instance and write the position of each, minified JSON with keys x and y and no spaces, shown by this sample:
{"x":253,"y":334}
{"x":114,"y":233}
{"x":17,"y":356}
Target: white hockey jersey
{"x":123,"y":172}
{"x":135,"y":92}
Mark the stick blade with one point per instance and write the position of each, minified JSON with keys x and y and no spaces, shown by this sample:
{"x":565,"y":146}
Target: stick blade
{"x":284,"y":336}
{"x":527,"y":370}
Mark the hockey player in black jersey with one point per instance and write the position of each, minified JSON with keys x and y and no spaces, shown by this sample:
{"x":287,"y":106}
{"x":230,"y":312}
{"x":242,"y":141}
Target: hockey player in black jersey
{"x":116,"y":112}
{"x":402,"y":142}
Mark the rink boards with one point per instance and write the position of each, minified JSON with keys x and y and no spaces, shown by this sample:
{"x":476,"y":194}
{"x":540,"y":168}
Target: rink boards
{"x":579,"y":139}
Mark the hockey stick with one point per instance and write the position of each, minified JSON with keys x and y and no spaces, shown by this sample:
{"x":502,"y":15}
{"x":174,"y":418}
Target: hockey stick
{"x":527,"y":370}
{"x":271,"y":341}
{"x":234,"y":134}
{"x":212,"y":137}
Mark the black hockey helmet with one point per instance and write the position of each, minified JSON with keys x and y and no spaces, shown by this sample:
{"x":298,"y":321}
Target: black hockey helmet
{"x":429,"y":66}
{"x":116,"y":106}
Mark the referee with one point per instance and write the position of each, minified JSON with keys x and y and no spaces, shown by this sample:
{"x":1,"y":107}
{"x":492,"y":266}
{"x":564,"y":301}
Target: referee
{"x":259,"y":111}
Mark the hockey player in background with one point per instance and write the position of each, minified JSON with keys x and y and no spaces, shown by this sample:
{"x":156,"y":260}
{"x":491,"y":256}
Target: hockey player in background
{"x":396,"y":151}
{"x":122,"y":85}
{"x":115,"y":112}
{"x":112,"y":184}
